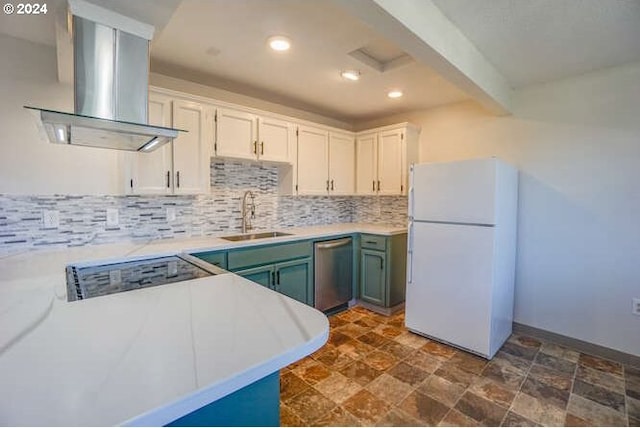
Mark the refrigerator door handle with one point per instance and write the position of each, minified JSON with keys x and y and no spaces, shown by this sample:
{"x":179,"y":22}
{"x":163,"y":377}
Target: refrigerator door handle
{"x":411,"y":203}
{"x":410,"y":254}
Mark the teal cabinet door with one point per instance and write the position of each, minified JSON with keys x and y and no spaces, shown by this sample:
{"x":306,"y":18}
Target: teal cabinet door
{"x":373,"y":284}
{"x":263,"y":275}
{"x":293,"y":279}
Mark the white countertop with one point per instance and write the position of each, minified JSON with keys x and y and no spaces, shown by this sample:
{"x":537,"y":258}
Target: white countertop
{"x":149,"y":356}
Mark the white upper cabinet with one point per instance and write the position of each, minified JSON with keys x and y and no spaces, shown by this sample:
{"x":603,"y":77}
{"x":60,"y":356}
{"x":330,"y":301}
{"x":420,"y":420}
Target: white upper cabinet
{"x":366,"y":164}
{"x":342,"y":160}
{"x":150,"y":172}
{"x":179,"y":167}
{"x":383,"y":157}
{"x":390,"y":162}
{"x":276,"y":140}
{"x":191,"y":150}
{"x":243,"y":135}
{"x":313,"y":161}
{"x":326,"y":162}
{"x":237,"y":134}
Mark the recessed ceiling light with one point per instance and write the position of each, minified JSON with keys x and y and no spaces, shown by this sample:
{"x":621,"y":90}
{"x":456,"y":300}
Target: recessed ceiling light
{"x":279,"y":43}
{"x":351,"y":74}
{"x":394,"y":94}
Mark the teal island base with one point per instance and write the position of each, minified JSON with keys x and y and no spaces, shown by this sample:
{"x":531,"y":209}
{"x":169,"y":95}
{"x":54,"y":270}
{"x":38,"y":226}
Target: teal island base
{"x":257,"y":404}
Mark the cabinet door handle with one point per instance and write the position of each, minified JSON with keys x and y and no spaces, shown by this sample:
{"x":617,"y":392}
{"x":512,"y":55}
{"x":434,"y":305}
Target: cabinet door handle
{"x":378,"y":185}
{"x":131,"y":183}
{"x":262,"y":147}
{"x":374,"y":185}
{"x":327,"y":185}
{"x":278,"y":277}
{"x":273,"y":278}
{"x":255,"y":147}
{"x":331,"y":184}
{"x":370,"y":242}
{"x":168,"y":179}
{"x":381,"y":263}
{"x":178,"y":179}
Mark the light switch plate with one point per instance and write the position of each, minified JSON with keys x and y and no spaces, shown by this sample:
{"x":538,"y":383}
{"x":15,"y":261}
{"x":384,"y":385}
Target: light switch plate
{"x":51,"y":219}
{"x":112,"y":217}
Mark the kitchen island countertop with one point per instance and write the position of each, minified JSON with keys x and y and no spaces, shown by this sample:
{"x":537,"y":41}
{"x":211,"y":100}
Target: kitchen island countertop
{"x":148,"y":356}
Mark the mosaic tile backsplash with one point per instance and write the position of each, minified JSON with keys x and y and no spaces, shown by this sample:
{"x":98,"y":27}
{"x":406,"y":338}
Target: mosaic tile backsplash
{"x":144,"y":217}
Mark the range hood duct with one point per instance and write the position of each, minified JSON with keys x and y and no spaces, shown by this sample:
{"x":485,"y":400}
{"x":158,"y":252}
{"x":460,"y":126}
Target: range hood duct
{"x":111,"y":81}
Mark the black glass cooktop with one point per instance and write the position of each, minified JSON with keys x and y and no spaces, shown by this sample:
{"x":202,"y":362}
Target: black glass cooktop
{"x":84,"y":282}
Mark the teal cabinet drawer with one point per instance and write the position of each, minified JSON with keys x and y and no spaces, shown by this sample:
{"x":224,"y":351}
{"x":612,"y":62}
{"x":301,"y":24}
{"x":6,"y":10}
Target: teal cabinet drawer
{"x":373,"y":242}
{"x":256,"y":256}
{"x":217,"y":258}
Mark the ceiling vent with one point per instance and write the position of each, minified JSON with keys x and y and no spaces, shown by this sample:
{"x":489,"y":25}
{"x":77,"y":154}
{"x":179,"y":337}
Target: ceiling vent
{"x":381,"y":56}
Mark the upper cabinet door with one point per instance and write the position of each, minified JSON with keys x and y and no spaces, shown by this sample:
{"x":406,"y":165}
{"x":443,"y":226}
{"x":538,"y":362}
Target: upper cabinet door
{"x":390,"y":162}
{"x":342,"y":158}
{"x":191,"y":150}
{"x":149,"y":171}
{"x":237,"y":134}
{"x":275,"y":140}
{"x":367,"y":164}
{"x":313,"y":161}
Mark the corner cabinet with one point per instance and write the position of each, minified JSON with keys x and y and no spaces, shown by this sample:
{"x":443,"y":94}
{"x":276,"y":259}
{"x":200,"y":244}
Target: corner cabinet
{"x":244,"y":135}
{"x":383,"y":269}
{"x":383,"y":156}
{"x":179,"y":167}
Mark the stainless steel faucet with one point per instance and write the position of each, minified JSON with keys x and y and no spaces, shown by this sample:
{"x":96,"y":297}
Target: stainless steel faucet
{"x":250,"y":209}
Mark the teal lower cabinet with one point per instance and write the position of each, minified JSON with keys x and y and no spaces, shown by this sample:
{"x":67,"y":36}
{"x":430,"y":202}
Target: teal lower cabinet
{"x":286,"y":268}
{"x":293,"y":279}
{"x":372,"y":277}
{"x":262,"y":275}
{"x":257,"y":404}
{"x":383,"y":264}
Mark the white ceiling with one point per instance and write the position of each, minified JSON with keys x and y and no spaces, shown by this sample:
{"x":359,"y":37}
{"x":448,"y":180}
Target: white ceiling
{"x":223,"y":43}
{"x":227,"y":40}
{"x":535,"y":41}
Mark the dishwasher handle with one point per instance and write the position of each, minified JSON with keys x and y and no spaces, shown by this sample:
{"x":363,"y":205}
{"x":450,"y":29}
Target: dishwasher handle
{"x":333,"y":244}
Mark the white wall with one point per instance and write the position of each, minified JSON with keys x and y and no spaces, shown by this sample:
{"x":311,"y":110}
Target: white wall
{"x":577,"y":145}
{"x":29,"y":164}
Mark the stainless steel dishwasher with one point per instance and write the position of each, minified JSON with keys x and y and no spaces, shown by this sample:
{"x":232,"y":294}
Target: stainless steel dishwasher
{"x":333,"y":273}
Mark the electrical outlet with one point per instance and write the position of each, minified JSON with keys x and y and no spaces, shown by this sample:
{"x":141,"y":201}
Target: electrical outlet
{"x":172,"y":268}
{"x":636,"y":306}
{"x":171,"y":214}
{"x":112,"y":217}
{"x":51,"y":219}
{"x":115,"y":277}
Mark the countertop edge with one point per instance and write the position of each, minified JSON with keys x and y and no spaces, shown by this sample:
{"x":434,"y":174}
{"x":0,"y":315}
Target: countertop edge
{"x":170,"y":412}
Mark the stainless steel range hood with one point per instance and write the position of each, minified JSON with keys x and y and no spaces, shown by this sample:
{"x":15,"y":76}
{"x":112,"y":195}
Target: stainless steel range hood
{"x":111,"y":79}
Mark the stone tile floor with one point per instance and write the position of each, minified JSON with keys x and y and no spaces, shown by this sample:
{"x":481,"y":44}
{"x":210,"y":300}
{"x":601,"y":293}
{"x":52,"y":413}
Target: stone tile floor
{"x":373,"y":371}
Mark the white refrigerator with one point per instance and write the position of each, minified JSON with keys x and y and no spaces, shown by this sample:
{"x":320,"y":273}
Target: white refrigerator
{"x":461,"y":252}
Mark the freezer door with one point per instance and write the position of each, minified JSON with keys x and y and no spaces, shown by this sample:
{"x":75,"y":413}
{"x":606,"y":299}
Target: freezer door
{"x":459,"y":192}
{"x":449,"y":296}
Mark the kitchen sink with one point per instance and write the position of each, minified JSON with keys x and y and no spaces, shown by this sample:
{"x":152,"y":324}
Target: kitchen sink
{"x":251,"y":236}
